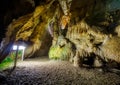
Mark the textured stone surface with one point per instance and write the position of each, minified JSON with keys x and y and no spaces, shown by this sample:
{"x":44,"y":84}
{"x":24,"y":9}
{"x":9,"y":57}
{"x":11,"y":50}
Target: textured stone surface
{"x":45,"y":72}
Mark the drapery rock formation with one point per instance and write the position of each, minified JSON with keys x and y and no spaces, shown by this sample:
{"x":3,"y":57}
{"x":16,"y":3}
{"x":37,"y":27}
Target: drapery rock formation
{"x":77,"y":29}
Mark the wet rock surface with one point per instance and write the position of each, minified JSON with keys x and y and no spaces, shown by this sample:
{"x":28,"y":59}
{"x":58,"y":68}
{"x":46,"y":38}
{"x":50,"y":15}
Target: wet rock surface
{"x":45,"y":72}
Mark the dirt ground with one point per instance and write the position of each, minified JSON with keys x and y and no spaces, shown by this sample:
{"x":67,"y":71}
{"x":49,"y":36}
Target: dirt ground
{"x":41,"y":71}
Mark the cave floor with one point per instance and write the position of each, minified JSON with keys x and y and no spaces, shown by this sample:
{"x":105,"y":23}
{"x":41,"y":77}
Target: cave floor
{"x":42,"y":71}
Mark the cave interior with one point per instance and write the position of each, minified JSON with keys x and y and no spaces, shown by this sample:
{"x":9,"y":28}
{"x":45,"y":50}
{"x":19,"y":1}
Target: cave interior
{"x":85,"y":33}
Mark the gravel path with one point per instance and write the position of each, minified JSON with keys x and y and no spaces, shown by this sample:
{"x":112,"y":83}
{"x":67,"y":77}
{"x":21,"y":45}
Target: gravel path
{"x":44,"y":72}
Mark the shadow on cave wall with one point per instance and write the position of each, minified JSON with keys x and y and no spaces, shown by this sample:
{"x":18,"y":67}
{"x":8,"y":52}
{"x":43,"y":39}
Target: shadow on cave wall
{"x":45,"y":46}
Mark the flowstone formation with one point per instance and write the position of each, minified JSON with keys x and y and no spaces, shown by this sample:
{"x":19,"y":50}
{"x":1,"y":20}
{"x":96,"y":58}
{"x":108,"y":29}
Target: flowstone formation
{"x":62,"y":50}
{"x":78,"y":31}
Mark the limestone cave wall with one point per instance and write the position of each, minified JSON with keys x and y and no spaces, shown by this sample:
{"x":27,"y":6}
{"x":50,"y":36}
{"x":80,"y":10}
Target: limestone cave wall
{"x":74,"y":29}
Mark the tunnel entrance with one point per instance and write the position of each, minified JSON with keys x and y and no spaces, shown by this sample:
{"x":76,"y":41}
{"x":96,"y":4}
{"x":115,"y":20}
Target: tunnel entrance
{"x":46,"y":42}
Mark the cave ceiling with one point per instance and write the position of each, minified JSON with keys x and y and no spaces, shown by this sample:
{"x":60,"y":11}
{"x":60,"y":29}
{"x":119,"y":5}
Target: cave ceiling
{"x":12,"y":9}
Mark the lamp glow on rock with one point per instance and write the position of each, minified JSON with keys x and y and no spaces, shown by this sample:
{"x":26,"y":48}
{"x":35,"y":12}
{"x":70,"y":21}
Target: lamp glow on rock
{"x":20,"y":48}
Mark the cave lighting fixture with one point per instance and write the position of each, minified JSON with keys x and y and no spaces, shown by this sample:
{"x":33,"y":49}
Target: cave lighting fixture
{"x":20,"y":48}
